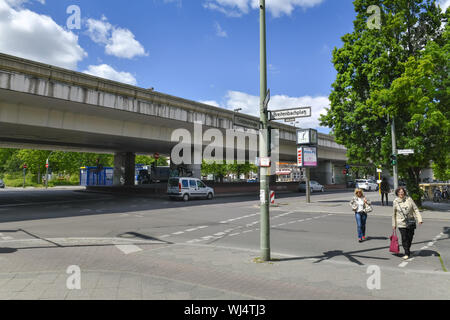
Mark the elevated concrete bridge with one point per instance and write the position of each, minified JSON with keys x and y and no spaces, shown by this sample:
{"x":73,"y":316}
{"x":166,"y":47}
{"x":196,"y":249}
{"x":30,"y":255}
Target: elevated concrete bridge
{"x":50,"y":108}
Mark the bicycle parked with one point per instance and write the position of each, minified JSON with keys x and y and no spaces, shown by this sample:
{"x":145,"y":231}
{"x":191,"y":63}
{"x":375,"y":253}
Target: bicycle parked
{"x":439,"y":195}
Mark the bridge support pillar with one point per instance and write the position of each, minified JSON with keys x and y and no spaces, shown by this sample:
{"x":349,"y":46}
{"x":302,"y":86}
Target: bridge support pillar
{"x":329,"y":173}
{"x":324,"y":173}
{"x":196,"y":170}
{"x":124,"y":168}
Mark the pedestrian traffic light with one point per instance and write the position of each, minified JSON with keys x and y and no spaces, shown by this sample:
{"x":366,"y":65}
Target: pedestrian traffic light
{"x":394,"y":159}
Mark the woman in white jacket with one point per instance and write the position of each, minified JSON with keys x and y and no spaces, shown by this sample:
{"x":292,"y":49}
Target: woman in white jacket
{"x":405,"y":216}
{"x":360,"y":206}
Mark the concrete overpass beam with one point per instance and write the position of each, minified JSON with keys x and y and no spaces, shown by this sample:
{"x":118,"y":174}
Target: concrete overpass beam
{"x":124,"y":168}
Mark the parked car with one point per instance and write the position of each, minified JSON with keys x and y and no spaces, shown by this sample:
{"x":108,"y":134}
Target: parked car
{"x":313,"y":185}
{"x":366,"y":184}
{"x":188,"y":188}
{"x":2,"y":184}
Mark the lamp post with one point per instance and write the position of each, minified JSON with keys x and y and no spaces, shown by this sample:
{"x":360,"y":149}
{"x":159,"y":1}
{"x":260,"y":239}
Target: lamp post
{"x":264,"y":143}
{"x":234,"y":116}
{"x":394,"y":154}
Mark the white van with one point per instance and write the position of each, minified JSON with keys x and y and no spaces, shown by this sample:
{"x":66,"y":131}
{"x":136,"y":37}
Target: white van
{"x":188,"y":188}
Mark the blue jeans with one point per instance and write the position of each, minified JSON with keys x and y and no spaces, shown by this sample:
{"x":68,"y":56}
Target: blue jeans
{"x":361,"y":219}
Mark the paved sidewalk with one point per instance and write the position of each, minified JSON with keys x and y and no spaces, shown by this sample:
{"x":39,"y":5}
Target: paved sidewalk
{"x":202,"y":272}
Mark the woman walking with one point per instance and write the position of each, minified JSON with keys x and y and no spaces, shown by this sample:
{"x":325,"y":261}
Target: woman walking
{"x":405,"y":216}
{"x":361,"y":206}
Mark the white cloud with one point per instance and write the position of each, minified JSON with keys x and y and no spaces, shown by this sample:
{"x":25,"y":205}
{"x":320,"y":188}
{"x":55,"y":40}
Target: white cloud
{"x":219,"y":31}
{"x":108,"y":72}
{"x":250,"y":105}
{"x":211,"y":103}
{"x":118,"y":42}
{"x":123,"y":45}
{"x":37,"y":37}
{"x":237,"y":8}
{"x":98,"y":30}
{"x":444,"y":4}
{"x":19,"y":3}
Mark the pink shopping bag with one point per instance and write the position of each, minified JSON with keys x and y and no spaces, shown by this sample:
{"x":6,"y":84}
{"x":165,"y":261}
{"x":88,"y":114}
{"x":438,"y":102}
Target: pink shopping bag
{"x":394,"y":247}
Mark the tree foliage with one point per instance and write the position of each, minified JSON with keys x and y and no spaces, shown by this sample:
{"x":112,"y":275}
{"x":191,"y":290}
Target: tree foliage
{"x":400,"y":70}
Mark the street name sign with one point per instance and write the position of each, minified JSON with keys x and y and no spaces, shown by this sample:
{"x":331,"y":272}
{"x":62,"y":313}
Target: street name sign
{"x":291,"y":113}
{"x":246,"y":123}
{"x":405,"y":151}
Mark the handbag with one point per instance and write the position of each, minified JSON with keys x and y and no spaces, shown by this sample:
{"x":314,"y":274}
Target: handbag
{"x":367,"y":208}
{"x":409,"y":221}
{"x":394,"y":247}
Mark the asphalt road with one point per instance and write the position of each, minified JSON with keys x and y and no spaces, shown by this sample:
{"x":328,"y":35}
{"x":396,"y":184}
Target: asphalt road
{"x":321,"y":232}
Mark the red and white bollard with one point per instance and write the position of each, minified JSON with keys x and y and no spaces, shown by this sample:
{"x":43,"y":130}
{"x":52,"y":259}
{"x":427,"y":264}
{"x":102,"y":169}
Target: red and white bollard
{"x":272,"y":197}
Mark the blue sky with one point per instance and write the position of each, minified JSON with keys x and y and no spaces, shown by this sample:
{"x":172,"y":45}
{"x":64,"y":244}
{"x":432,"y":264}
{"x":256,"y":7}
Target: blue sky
{"x":203,"y":50}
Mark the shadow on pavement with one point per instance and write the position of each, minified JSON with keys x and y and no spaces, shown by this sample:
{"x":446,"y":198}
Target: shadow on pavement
{"x":352,"y":255}
{"x":126,"y":235}
{"x":7,"y":250}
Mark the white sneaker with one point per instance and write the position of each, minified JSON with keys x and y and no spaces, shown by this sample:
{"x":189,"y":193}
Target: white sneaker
{"x":405,"y":257}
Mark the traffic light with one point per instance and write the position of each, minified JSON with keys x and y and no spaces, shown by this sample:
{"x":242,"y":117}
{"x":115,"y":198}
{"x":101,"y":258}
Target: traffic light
{"x":394,"y":159}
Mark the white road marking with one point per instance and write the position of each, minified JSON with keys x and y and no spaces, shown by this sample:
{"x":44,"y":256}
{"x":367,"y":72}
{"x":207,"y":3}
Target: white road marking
{"x":222,"y":234}
{"x":7,"y":238}
{"x":128,"y":248}
{"x":429,"y":244}
{"x":190,"y":230}
{"x":177,"y":233}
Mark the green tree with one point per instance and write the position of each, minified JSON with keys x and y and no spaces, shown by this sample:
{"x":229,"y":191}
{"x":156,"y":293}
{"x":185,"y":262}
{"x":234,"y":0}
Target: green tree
{"x":397,"y":70}
{"x":149,"y":160}
{"x":218,"y":170}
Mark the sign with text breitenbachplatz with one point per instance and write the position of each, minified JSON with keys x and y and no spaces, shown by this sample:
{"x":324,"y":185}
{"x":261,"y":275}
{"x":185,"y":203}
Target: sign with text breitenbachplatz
{"x":304,"y":112}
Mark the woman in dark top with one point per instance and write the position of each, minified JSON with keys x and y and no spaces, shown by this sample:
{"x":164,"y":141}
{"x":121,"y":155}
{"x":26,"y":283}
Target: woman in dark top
{"x":384,"y":188}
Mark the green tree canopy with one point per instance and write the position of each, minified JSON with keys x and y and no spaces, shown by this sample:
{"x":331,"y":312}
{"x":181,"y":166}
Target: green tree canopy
{"x":400,"y":70}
